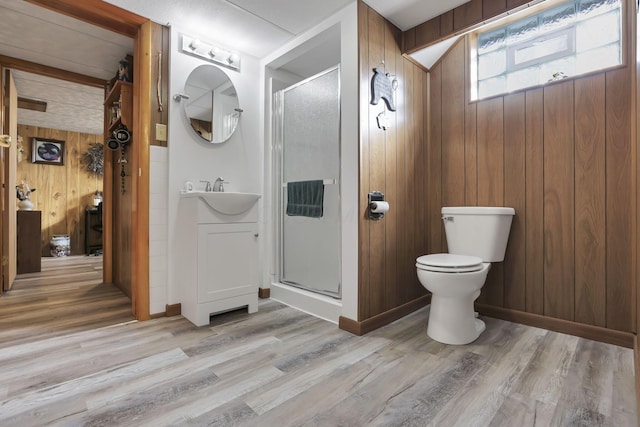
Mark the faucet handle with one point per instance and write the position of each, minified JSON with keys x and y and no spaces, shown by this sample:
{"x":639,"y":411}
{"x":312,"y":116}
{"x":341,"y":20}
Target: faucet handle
{"x":208,"y":186}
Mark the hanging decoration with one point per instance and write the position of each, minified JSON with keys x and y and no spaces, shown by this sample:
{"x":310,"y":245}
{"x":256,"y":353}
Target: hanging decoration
{"x":93,"y":159}
{"x":382,"y":87}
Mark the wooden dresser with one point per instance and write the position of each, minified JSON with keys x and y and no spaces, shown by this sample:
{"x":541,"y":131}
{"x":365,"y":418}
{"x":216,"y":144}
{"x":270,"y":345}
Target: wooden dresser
{"x":29,"y":241}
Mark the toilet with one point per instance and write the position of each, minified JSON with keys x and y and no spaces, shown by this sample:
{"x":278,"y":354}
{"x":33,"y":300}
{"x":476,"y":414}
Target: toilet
{"x":476,"y":237}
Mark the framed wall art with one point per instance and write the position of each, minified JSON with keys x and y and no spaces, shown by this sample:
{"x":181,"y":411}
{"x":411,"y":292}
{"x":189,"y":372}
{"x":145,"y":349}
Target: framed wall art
{"x":47,"y":151}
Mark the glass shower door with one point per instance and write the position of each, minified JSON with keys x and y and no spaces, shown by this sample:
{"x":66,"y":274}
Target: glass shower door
{"x":310,"y":133}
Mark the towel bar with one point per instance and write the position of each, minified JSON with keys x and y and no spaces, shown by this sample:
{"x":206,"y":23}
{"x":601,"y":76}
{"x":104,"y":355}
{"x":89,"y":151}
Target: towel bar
{"x":324,"y":181}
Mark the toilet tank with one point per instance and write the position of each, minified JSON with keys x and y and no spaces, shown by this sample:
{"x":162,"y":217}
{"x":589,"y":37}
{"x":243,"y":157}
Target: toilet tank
{"x":478,"y":231}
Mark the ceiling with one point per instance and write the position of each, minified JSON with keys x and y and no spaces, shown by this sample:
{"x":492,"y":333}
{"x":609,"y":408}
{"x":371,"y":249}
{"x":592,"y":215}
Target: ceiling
{"x":39,"y":35}
{"x":257,"y":28}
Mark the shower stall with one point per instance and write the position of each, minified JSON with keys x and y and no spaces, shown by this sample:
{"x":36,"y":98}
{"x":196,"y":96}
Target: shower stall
{"x":307,"y":152}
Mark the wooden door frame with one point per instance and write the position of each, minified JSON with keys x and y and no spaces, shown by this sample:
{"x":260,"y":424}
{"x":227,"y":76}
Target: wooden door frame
{"x":121,"y":21}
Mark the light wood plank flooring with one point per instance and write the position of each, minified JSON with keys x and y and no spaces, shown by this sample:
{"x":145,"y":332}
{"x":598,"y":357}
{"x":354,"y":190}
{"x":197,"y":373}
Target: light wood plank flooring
{"x":281,"y":367}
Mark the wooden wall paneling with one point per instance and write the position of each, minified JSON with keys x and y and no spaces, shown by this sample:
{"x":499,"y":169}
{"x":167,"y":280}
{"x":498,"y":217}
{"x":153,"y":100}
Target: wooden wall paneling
{"x":3,"y":192}
{"x":467,"y":14}
{"x":401,"y":198}
{"x":515,"y":197}
{"x":108,"y":223}
{"x":425,"y":172}
{"x":55,"y":198}
{"x":559,"y":232}
{"x":427,"y":31}
{"x":591,"y":238}
{"x":490,"y":152}
{"x":491,"y":181}
{"x":636,"y":144}
{"x":394,"y":291}
{"x":363,"y":223}
{"x":620,"y":207}
{"x":453,"y":138}
{"x":62,"y":192}
{"x":411,"y":168}
{"x":470,"y":138}
{"x":409,"y":38}
{"x":73,"y":217}
{"x":631,"y":11}
{"x":159,"y":70}
{"x":446,"y":24}
{"x":10,"y":219}
{"x":456,"y":20}
{"x":434,"y":196}
{"x":491,"y":8}
{"x":143,"y":101}
{"x":534,"y":202}
{"x":377,"y":166}
{"x":512,"y":4}
{"x":394,"y":162}
{"x":420,"y":248}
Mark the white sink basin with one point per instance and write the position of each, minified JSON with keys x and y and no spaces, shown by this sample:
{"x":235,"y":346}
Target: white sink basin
{"x":228,"y":203}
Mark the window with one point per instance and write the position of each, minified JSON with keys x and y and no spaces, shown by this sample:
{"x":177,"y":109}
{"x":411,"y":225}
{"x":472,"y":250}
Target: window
{"x":570,"y":39}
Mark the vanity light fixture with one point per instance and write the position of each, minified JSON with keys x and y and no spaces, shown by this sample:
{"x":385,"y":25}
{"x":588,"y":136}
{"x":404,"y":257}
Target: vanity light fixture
{"x":210,"y":52}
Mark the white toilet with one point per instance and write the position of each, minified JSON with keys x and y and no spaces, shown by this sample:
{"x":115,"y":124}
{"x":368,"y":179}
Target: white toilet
{"x":476,"y":237}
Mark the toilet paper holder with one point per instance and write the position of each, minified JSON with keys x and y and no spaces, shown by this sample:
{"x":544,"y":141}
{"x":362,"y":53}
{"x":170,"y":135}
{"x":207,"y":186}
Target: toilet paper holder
{"x":375,"y":196}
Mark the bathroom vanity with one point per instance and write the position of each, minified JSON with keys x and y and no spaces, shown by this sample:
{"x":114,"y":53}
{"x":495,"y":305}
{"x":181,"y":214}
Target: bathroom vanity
{"x":218,"y":270}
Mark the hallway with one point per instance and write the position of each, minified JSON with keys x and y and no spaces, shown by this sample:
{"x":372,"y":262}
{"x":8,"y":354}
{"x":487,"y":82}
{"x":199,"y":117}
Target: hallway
{"x":66,"y":297}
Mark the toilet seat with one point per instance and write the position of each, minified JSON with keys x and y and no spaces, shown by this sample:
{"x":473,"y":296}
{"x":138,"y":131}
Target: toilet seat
{"x":449,"y":263}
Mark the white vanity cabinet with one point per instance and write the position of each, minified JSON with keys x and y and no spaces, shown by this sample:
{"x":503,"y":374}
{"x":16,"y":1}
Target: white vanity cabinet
{"x":227,"y":261}
{"x":220,"y":263}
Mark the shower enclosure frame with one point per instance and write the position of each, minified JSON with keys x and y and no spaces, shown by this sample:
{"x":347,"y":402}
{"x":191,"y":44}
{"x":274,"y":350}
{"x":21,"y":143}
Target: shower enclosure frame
{"x":279,"y":184}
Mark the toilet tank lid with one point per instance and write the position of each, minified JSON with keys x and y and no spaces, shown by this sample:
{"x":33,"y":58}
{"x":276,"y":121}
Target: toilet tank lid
{"x":478,"y":210}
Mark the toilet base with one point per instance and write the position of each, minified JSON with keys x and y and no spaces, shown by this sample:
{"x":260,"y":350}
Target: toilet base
{"x":453,"y":320}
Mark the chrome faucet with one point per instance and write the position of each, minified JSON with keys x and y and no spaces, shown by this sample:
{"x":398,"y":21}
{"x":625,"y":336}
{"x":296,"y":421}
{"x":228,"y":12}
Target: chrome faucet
{"x":207,"y":188}
{"x":218,"y":185}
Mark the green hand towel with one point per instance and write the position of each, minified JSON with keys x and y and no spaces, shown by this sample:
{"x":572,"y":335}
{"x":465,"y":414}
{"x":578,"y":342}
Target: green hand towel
{"x":305,"y":198}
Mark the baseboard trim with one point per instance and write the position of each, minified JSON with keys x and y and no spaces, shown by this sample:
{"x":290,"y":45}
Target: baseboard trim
{"x":264,"y":293}
{"x":596,"y":333}
{"x":379,"y":320}
{"x":158,"y":315}
{"x":174,"y":310}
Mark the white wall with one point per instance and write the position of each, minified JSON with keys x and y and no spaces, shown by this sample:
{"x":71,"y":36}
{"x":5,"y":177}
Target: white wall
{"x":158,"y":220}
{"x":239,"y":160}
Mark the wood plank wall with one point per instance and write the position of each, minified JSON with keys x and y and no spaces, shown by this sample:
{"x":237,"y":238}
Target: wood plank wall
{"x":456,"y":21}
{"x":563,"y":156}
{"x":159,"y":70}
{"x":62,"y":192}
{"x":393,"y":162}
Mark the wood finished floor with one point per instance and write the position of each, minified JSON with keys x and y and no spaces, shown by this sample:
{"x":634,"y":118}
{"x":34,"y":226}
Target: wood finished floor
{"x":70,"y":355}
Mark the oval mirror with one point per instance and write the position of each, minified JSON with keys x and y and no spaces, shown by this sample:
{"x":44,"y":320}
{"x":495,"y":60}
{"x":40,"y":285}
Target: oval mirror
{"x":212,"y":108}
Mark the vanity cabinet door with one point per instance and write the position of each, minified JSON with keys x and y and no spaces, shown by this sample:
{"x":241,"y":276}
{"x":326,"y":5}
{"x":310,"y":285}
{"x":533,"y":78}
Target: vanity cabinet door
{"x":227,"y":261}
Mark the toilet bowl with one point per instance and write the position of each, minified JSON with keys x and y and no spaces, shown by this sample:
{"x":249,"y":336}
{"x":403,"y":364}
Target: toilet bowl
{"x":476,"y":236}
{"x":453,"y":290}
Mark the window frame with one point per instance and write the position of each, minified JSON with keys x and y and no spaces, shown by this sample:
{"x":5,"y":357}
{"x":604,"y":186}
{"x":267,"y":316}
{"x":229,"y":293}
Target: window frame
{"x":519,"y":14}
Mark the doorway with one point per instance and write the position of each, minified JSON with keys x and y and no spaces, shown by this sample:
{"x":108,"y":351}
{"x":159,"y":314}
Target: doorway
{"x":139,"y":29}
